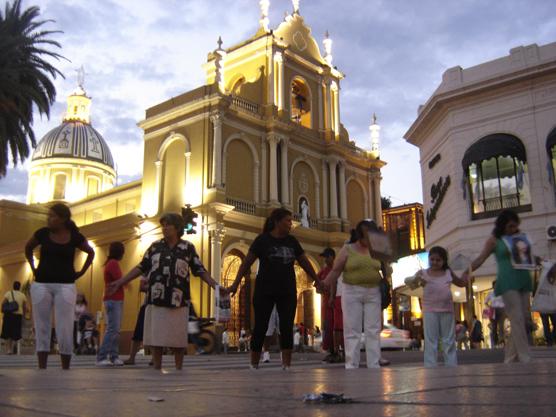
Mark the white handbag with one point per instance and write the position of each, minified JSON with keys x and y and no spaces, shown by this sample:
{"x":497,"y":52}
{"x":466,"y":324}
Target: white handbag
{"x":544,"y":300}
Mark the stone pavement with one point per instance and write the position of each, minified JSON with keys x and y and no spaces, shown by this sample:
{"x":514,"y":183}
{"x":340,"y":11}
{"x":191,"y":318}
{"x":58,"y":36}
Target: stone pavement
{"x":485,"y":389}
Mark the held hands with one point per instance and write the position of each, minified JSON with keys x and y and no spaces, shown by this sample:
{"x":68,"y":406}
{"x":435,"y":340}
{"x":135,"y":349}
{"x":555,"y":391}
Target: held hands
{"x":113,"y":287}
{"x":223,"y":291}
{"x":320,"y":286}
{"x":232,"y":289}
{"x":466,"y":277}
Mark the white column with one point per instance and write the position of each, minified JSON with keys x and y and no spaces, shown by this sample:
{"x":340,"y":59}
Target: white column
{"x":285,"y":174}
{"x":320,"y":105}
{"x":155,"y":203}
{"x":342,"y":188}
{"x":324,"y":190}
{"x":270,"y":80}
{"x":337,"y":109}
{"x":317,"y":186}
{"x":216,"y":180}
{"x":216,"y":237}
{"x":334,"y":107}
{"x":328,"y":105}
{"x":256,"y":182}
{"x":264,"y":175}
{"x":376,"y":198}
{"x":273,"y":167}
{"x":333,"y":189}
{"x":186,"y":185}
{"x":279,"y":92}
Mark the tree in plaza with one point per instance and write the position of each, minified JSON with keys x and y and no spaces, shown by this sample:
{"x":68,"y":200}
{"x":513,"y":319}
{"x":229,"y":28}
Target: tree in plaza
{"x":25,"y":78}
{"x":385,"y":202}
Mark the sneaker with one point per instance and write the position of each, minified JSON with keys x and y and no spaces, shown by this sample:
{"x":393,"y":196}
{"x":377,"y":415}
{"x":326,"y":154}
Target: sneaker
{"x":253,"y":367}
{"x":335,"y":358}
{"x":104,"y":363}
{"x":383,"y":362}
{"x":285,"y":368}
{"x":328,"y":358}
{"x":129,"y":362}
{"x":117,"y":362}
{"x":266,"y":357}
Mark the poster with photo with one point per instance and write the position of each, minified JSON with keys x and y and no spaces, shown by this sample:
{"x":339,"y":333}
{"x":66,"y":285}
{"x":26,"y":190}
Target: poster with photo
{"x":519,"y":246}
{"x":380,"y":243}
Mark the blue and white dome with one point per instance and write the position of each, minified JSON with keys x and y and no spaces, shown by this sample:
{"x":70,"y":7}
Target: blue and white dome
{"x":74,"y":139}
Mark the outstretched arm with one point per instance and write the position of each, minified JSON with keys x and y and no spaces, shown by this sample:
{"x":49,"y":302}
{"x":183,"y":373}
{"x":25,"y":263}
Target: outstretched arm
{"x":460,"y":282}
{"x":242,"y":271}
{"x":130,"y":276}
{"x":307,"y":267}
{"x":488,"y":248}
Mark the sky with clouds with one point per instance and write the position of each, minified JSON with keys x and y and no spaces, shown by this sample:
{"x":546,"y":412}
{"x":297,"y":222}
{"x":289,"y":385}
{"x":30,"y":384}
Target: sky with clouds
{"x":137,"y":53}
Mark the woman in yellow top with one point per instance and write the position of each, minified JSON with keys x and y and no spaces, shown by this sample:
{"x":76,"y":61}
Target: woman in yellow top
{"x":361,"y":300}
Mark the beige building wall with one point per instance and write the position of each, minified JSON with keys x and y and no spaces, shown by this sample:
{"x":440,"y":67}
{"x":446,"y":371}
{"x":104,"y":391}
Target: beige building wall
{"x":512,"y":95}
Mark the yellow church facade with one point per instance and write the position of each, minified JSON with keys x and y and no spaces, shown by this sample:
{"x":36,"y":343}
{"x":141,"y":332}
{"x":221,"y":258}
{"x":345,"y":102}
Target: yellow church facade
{"x":263,"y":132}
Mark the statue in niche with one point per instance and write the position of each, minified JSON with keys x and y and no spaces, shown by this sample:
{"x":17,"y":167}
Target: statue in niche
{"x":304,"y":212}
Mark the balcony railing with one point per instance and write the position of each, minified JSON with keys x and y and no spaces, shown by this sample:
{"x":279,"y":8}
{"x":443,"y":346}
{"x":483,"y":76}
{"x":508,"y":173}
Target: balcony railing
{"x":247,"y":207}
{"x":246,"y":105}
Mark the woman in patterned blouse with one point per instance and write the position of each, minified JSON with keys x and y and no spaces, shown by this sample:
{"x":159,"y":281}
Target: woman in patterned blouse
{"x":166,"y":265}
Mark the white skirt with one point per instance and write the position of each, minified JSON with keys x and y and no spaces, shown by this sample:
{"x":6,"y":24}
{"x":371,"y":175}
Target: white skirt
{"x":166,"y":327}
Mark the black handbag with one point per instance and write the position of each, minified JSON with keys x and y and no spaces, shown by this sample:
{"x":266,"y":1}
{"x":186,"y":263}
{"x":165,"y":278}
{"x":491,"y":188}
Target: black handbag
{"x":385,"y":293}
{"x":10,"y":306}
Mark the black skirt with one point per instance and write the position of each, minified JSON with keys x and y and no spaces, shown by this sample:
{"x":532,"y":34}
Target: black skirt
{"x":11,"y":326}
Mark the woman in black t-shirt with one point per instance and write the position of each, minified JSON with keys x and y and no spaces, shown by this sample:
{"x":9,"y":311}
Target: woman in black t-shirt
{"x":54,"y":286}
{"x":277,"y":251}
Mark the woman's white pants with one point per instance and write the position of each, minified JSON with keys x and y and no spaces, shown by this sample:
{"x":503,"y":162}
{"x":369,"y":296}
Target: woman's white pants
{"x":361,"y":308}
{"x":59,"y":298}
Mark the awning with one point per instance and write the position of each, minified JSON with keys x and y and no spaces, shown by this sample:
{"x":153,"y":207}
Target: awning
{"x":499,"y":144}
{"x":551,"y":141}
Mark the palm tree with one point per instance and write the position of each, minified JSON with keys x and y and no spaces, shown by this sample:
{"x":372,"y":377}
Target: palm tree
{"x":25,"y":79}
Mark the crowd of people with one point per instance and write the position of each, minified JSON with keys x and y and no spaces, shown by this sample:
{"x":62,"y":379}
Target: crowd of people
{"x":349,"y":284}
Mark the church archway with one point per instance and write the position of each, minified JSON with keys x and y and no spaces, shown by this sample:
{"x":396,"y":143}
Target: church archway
{"x":357,"y":202}
{"x":308,"y":300}
{"x":240,"y":303}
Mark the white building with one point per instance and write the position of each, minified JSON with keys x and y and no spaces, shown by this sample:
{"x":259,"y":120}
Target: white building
{"x":487,"y":141}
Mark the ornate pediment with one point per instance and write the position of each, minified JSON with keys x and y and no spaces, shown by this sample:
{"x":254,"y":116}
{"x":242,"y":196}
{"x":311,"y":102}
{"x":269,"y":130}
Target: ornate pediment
{"x":297,"y":35}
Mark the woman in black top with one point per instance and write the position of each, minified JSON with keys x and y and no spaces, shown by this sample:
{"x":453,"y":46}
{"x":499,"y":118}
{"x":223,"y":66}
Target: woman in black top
{"x":54,"y":286}
{"x":277,"y":251}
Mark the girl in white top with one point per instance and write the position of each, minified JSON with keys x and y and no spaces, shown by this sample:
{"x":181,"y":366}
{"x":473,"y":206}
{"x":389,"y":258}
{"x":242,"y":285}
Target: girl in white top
{"x":438,"y":308}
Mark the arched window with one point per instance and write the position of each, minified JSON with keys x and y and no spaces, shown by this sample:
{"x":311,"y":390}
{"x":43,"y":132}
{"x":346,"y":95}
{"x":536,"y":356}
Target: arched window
{"x":300,"y":103}
{"x":236,"y":86}
{"x":59,"y":187}
{"x":551,"y":149}
{"x":495,"y":169}
{"x":92,"y":186}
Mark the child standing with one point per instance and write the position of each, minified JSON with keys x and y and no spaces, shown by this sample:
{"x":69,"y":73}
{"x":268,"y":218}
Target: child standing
{"x":438,"y":308}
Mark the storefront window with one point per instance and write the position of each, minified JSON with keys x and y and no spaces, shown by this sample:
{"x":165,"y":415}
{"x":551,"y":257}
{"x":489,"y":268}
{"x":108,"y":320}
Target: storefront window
{"x":551,"y":149}
{"x":496,"y":172}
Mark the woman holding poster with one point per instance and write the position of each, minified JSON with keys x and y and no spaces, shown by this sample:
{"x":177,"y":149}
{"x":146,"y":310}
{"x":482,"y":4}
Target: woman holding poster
{"x":512,"y":250}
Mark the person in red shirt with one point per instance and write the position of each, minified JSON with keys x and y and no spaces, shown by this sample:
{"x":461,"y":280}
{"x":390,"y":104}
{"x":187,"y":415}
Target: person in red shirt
{"x":327,"y":310}
{"x":113,"y":304}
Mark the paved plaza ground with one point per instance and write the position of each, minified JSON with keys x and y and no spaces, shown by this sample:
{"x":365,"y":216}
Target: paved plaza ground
{"x":223,"y":386}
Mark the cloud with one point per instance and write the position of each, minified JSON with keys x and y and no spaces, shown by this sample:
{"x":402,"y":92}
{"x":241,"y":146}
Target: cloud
{"x":137,"y":54}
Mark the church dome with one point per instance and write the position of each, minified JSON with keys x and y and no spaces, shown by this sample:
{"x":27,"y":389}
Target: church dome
{"x":74,"y":139}
{"x":72,"y":161}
